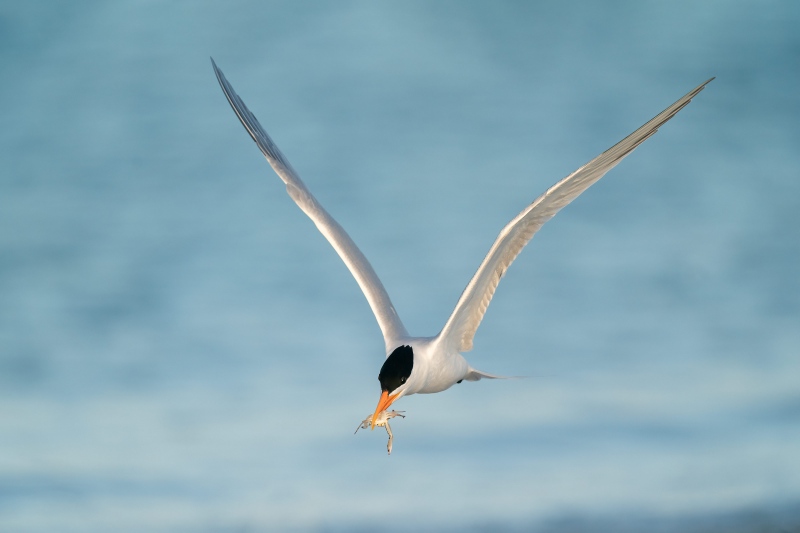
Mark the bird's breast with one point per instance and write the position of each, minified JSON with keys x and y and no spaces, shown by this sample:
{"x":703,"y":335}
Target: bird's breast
{"x":439,"y":371}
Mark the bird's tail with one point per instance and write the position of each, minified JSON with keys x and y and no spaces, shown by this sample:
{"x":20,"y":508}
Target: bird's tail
{"x":476,"y":375}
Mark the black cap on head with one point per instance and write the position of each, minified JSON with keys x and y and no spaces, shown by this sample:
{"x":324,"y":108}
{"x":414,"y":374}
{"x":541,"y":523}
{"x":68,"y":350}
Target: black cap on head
{"x":397,"y":368}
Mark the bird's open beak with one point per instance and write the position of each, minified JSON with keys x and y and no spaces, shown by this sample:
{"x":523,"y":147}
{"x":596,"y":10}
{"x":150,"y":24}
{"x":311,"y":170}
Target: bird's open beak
{"x":383,"y":404}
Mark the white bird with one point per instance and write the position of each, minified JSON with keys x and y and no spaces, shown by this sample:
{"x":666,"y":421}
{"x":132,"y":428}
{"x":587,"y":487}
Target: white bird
{"x":423,"y":365}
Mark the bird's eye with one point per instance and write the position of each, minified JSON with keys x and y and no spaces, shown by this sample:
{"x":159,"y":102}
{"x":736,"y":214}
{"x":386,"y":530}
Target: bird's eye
{"x":402,"y":380}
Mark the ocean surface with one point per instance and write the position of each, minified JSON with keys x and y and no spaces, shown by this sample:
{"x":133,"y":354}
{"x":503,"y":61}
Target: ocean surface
{"x":181,"y":350}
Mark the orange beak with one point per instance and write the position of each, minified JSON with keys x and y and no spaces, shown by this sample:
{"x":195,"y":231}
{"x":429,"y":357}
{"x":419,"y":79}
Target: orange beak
{"x":383,"y":404}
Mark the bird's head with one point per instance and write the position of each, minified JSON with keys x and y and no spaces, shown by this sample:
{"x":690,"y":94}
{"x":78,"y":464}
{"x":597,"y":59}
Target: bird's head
{"x":394,"y":376}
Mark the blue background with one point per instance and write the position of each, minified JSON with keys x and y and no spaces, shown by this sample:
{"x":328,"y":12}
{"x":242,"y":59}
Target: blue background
{"x":180,"y":350}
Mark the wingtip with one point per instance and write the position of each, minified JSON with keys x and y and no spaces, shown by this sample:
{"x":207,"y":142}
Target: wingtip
{"x":699,"y":89}
{"x":218,"y":73}
{"x":703,"y":85}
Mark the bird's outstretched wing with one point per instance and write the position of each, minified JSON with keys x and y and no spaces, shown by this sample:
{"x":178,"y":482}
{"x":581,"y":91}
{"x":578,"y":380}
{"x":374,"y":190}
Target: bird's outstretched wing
{"x":373,"y":289}
{"x":462,"y":324}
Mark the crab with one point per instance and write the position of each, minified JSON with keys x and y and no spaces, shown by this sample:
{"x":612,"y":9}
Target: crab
{"x":382,"y":420}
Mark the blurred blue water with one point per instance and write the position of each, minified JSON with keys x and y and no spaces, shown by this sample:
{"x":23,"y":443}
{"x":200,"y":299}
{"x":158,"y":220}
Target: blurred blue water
{"x":180,"y":349}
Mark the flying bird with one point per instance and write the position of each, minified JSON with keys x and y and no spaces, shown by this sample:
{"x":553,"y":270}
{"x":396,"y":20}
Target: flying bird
{"x":424,"y":365}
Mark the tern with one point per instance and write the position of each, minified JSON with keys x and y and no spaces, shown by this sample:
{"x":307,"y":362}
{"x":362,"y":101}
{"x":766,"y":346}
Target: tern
{"x":424,"y":365}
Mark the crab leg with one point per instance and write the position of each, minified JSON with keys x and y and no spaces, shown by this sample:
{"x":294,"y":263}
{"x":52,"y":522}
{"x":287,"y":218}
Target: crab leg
{"x":389,"y":431}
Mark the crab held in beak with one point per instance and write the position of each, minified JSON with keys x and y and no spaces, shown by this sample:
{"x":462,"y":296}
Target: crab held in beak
{"x":382,"y":420}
